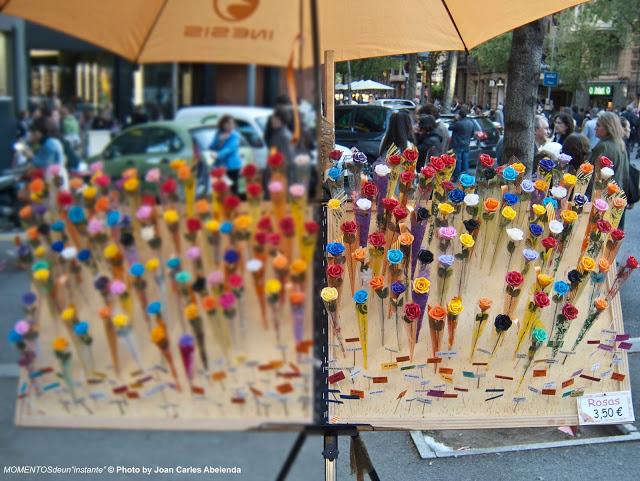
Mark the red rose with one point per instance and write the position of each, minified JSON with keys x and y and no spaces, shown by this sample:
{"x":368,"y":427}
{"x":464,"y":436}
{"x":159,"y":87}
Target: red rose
{"x":193,"y":225}
{"x":254,"y":190}
{"x":349,"y":227}
{"x":400,"y":212}
{"x":335,"y":155}
{"x":220,"y":186}
{"x":410,"y":154}
{"x":65,"y":199}
{"x":377,"y":239}
{"x":218,"y":172}
{"x":36,"y":174}
{"x":265,"y":224}
{"x":605,"y":161}
{"x":261,"y":237}
{"x":541,"y":299}
{"x":231,"y":202}
{"x":428,"y":172}
{"x":412,"y":311}
{"x":274,"y":238}
{"x":617,"y":235}
{"x":394,"y":160}
{"x":603,"y":226}
{"x":448,"y":186}
{"x":311,"y":227}
{"x":389,"y":203}
{"x":275,"y":160}
{"x":487,"y":161}
{"x":235,"y":280}
{"x":407,"y":177}
{"x":437,"y":163}
{"x":102,"y":180}
{"x":514,"y":279}
{"x":287,"y":226}
{"x":335,"y":271}
{"x":169,"y":186}
{"x":149,"y":200}
{"x":369,"y":190}
{"x":249,"y":171}
{"x":632,"y":262}
{"x":569,"y":311}
{"x":549,"y":243}
{"x":448,"y":160}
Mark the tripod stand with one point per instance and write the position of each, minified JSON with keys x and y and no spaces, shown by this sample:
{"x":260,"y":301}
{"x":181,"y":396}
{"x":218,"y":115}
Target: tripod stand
{"x":360,"y":461}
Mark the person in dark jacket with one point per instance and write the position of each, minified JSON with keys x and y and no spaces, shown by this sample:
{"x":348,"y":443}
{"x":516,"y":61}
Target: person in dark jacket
{"x":562,"y":127}
{"x":461,"y":132}
{"x":428,"y":141}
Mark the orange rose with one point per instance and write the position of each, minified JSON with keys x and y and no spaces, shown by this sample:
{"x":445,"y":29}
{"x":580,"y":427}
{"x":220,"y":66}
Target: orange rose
{"x":406,"y":239}
{"x":612,"y":188}
{"x":619,"y":203}
{"x":26,"y":212}
{"x":484,"y":303}
{"x":437,"y":312}
{"x":202,"y":206}
{"x":102,"y":204}
{"x":600,"y":304}
{"x":184,"y":172}
{"x":491,"y":205}
{"x":280,"y":262}
{"x":209,"y":303}
{"x":377,"y":283}
{"x":36,"y":186}
{"x":359,"y":254}
{"x":76,"y":183}
{"x":131,"y":172}
{"x":105,"y":313}
{"x":296,"y":297}
{"x":32,"y":233}
{"x":541,"y":185}
{"x":586,"y":168}
{"x":603,"y":265}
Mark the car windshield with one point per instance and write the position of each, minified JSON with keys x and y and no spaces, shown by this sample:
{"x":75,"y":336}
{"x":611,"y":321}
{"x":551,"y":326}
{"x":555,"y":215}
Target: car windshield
{"x":203,"y":137}
{"x":370,"y":120}
{"x":144,"y":140}
{"x":484,"y":123}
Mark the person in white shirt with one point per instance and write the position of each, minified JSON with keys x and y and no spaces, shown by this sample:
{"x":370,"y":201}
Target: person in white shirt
{"x":589,"y":129}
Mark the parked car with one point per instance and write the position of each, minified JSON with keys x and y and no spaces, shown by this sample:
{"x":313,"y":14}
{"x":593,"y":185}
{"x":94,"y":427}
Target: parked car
{"x":396,"y":103}
{"x":156,"y":144}
{"x":362,"y":127}
{"x":251,"y":122}
{"x":485,"y":136}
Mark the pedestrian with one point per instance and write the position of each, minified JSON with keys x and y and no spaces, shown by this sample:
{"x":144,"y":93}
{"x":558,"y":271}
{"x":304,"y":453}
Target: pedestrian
{"x":441,"y":128}
{"x":399,"y":134}
{"x":541,"y":131}
{"x":577,"y":118}
{"x":45,"y":148}
{"x":428,"y":141}
{"x":225,"y":149}
{"x":577,"y":146}
{"x":634,"y":123}
{"x":461,"y":132}
{"x":626,"y":135}
{"x":499,"y":115}
{"x":589,"y":129}
{"x":562,"y":127}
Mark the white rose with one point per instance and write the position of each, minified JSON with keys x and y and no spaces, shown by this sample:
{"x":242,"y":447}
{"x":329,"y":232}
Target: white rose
{"x":363,"y":203}
{"x":254,"y":265}
{"x":556,"y":227}
{"x":382,"y":170}
{"x":302,"y":160}
{"x":147,"y":233}
{"x":471,"y":200}
{"x":606,"y":173}
{"x":69,"y":253}
{"x":559,"y":192}
{"x":515,"y":234}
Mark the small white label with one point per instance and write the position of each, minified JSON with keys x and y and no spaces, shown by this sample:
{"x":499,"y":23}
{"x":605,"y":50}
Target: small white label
{"x":605,"y":408}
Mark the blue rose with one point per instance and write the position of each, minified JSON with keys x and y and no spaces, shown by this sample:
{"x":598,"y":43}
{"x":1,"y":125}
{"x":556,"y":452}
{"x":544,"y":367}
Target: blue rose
{"x":334,"y":173}
{"x":530,"y":255}
{"x":395,"y":256}
{"x":125,"y":221}
{"x":43,"y":264}
{"x":76,"y":214}
{"x":536,"y":229}
{"x":467,"y":180}
{"x":81,"y":328}
{"x":14,"y":337}
{"x":510,"y":199}
{"x":509,"y":174}
{"x":57,"y":246}
{"x":154,"y":307}
{"x":550,"y":200}
{"x":24,"y":250}
{"x":113,"y":218}
{"x":183,"y":277}
{"x":446,"y":260}
{"x":231,"y":256}
{"x":28,"y":298}
{"x":136,"y":270}
{"x":527,"y":186}
{"x":580,"y":199}
{"x":335,"y":248}
{"x":456,"y":196}
{"x":561,"y":287}
{"x":359,"y":157}
{"x":361,"y":296}
{"x":226,"y":227}
{"x":546,"y":165}
{"x":398,"y":288}
{"x":57,"y":226}
{"x":173,"y":263}
{"x":84,"y":255}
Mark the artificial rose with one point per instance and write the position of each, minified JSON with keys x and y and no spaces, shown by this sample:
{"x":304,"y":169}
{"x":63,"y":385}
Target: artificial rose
{"x":389,"y":204}
{"x":541,"y":299}
{"x":411,"y":311}
{"x":486,"y":160}
{"x":436,"y":163}
{"x":410,"y":154}
{"x":369,"y":190}
{"x":400,"y":213}
{"x":377,"y":239}
{"x":407,"y":176}
{"x":394,"y":160}
{"x":617,"y":235}
{"x":603,"y":226}
{"x":349,"y":227}
{"x":249,"y":171}
{"x":428,"y":171}
{"x":569,"y":311}
{"x":335,"y":271}
{"x":437,"y":312}
{"x":549,"y":243}
{"x":514,"y":279}
{"x":605,"y":161}
{"x":632,"y":263}
{"x":377,"y":283}
{"x":448,"y":160}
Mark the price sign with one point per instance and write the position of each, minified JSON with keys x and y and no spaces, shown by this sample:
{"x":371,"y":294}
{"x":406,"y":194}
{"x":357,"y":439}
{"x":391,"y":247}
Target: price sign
{"x":605,"y":408}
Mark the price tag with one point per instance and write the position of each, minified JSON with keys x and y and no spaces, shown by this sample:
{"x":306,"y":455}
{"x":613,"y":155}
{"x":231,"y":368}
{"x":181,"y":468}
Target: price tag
{"x":605,"y":408}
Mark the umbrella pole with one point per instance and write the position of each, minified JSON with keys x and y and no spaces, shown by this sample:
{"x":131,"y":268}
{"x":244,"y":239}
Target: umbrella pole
{"x":317,"y":100}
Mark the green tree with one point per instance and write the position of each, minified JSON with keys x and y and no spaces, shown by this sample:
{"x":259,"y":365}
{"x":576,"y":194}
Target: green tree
{"x":369,"y":68}
{"x":493,"y":55}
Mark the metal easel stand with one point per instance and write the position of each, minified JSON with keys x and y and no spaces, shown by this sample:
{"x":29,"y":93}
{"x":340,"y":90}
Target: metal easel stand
{"x":360,"y":460}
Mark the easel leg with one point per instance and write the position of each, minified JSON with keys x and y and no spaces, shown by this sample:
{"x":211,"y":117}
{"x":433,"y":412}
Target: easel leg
{"x":291,"y":457}
{"x":330,"y":454}
{"x":360,"y":460}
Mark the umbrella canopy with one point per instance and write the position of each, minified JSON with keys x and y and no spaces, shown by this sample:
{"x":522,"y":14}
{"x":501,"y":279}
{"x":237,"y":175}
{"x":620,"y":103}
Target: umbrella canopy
{"x":268,"y":32}
{"x":369,"y":85}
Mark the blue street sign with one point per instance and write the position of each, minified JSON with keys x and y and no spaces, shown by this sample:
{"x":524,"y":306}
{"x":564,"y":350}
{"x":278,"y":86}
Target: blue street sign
{"x":550,"y":79}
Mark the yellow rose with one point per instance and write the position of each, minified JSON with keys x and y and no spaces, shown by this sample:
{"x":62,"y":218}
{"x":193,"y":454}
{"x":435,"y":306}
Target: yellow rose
{"x":334,"y":204}
{"x":191,"y":312}
{"x":508,"y":213}
{"x":298,"y":267}
{"x":69,"y":314}
{"x":120,"y":320}
{"x":329,"y":294}
{"x":519,"y":167}
{"x":111,"y":251}
{"x":212,"y":226}
{"x":41,"y":275}
{"x":538,"y":210}
{"x":569,"y":216}
{"x":455,"y":306}
{"x":587,"y":264}
{"x":467,"y":240}
{"x":40,"y":251}
{"x":152,"y":264}
{"x":158,"y":334}
{"x":60,"y":344}
{"x":421,"y":285}
{"x":131,"y":184}
{"x":541,"y":185}
{"x":544,"y":280}
{"x":242,"y":222}
{"x":89,"y":192}
{"x":445,"y":208}
{"x":171,"y":216}
{"x":272,"y":286}
{"x":569,"y":180}
{"x":177,"y":164}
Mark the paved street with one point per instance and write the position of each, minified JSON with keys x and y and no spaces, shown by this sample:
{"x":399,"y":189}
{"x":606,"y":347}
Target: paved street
{"x":259,"y":455}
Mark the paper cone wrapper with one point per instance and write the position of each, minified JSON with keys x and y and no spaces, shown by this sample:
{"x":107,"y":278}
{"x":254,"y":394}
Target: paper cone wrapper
{"x":337,"y":283}
{"x":65,"y":368}
{"x":278,"y":204}
{"x":332,"y":312}
{"x":452,"y":325}
{"x":351,"y":265}
{"x":297,"y":312}
{"x":86,"y":357}
{"x":363,"y":220}
{"x":421,"y":300}
{"x":363,"y":327}
{"x":130,"y":341}
{"x":168,"y":357}
{"x":478,"y":329}
{"x":186,"y":353}
{"x":189,"y":196}
{"x":297,"y":213}
{"x":375,"y":260}
{"x":410,"y":329}
{"x":112,"y":343}
{"x":221,"y":333}
{"x":417,"y":231}
{"x":258,"y":284}
{"x":198,"y":333}
{"x":436,"y":335}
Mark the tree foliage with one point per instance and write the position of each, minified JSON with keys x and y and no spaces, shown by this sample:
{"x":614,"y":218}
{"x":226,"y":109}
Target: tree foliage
{"x":493,"y":55}
{"x":368,"y":68}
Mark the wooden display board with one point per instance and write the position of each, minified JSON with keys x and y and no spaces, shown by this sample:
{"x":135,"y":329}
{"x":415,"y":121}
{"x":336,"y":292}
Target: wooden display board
{"x":453,"y":390}
{"x":261,"y":381}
